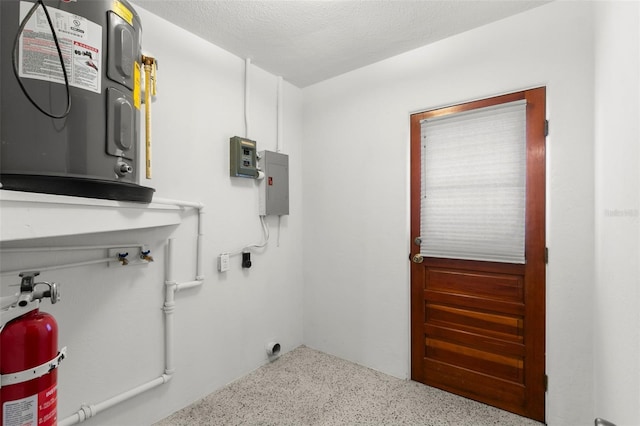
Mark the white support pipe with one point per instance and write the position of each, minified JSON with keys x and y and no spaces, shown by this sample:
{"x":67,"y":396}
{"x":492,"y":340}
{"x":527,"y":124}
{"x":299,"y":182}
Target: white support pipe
{"x":188,"y":284}
{"x":199,"y":251}
{"x":67,"y":248}
{"x":179,"y":203}
{"x":280,"y":117}
{"x":247,"y":69}
{"x":101,"y":406}
{"x":168,"y":308}
{"x":200,"y":237}
{"x":171,"y":287}
{"x":168,"y":267}
{"x":87,"y":411}
{"x":280,"y":135}
{"x":60,"y":266}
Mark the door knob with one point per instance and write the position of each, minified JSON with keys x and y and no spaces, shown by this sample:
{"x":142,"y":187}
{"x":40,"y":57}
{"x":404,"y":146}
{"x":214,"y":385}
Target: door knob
{"x":417,"y":258}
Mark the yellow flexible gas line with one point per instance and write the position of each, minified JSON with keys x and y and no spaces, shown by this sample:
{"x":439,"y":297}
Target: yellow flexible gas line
{"x":149,"y":75}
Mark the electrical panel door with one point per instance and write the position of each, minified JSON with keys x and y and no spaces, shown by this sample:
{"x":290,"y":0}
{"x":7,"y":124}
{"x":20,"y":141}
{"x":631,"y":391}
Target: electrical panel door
{"x":274,"y":188}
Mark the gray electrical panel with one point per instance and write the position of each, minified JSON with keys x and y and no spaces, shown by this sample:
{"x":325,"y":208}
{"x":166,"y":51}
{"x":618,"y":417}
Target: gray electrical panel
{"x":242,"y":156}
{"x":274,"y":188}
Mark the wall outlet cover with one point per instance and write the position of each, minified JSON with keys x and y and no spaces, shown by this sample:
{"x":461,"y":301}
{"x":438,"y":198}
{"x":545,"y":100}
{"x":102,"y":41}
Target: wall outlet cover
{"x":223,"y":262}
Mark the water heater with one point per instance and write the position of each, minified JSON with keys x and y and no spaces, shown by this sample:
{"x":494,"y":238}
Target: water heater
{"x":75,"y":134}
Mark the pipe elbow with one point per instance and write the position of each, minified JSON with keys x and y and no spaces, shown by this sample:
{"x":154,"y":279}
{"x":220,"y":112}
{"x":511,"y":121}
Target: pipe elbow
{"x":167,"y":376}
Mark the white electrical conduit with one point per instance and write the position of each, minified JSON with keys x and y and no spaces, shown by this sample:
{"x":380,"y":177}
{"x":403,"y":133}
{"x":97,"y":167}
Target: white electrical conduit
{"x":247,"y":92}
{"x":279,"y":135}
{"x":280,"y":108}
{"x":171,"y":287}
{"x":263,"y":244}
{"x":247,"y":68}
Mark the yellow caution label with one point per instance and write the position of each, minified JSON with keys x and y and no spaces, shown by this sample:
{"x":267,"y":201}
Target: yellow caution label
{"x":123,"y":11}
{"x":136,"y":85}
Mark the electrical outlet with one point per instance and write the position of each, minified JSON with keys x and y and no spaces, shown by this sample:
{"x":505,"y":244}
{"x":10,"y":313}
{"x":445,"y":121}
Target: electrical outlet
{"x":223,"y":262}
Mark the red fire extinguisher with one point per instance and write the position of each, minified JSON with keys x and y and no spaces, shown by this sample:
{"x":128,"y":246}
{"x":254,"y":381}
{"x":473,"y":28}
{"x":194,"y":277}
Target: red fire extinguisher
{"x":29,"y":358}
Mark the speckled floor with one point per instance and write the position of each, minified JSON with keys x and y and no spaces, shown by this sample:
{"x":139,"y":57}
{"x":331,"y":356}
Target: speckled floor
{"x":308,"y":387}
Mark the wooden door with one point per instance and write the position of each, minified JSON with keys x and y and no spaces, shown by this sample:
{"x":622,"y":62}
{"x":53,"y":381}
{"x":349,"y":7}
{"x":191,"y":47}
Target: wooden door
{"x":477,"y":327}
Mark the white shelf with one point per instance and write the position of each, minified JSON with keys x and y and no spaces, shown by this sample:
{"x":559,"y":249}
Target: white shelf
{"x":27,"y":215}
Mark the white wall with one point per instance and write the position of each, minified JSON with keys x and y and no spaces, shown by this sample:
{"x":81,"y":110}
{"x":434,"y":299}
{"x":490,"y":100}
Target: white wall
{"x":617,"y":298}
{"x":354,"y":196}
{"x":356,"y":190}
{"x":111,"y":318}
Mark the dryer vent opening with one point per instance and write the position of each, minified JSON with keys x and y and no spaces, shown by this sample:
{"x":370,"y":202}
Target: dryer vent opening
{"x":273,"y":349}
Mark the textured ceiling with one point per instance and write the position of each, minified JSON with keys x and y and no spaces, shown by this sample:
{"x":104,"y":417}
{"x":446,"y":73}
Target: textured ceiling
{"x":309,"y":41}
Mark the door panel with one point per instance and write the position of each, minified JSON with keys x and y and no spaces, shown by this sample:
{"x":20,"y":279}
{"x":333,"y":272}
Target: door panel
{"x":474,"y":326}
{"x":478,"y":328}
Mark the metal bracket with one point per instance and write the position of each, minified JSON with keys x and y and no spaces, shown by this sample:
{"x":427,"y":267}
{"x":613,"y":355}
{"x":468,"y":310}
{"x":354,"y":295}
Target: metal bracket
{"x":27,"y":281}
{"x":17,"y":310}
{"x":28,"y":299}
{"x":33,"y":373}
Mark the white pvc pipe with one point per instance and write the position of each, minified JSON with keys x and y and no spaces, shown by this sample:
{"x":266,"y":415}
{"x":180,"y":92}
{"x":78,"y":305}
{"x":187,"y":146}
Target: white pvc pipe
{"x":200,"y":237}
{"x":66,"y":248}
{"x":280,"y":118}
{"x":60,"y":266}
{"x":171,"y":287}
{"x":168,"y":267}
{"x":87,"y":411}
{"x":130,"y":394}
{"x":179,"y":203}
{"x":280,"y":136}
{"x":189,"y":284}
{"x":199,"y":251}
{"x":247,"y":68}
{"x":169,"y":307}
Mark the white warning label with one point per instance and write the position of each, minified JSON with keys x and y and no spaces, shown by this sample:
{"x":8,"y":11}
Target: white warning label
{"x":80,"y":42}
{"x":23,"y":412}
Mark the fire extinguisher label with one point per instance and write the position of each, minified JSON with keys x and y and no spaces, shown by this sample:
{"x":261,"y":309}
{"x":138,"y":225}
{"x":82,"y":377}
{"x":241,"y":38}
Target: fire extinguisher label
{"x":34,"y":410}
{"x":48,"y":407}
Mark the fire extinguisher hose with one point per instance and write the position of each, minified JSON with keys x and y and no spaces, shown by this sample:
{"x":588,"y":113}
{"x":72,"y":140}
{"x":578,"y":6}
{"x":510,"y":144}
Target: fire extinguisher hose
{"x":33,"y":373}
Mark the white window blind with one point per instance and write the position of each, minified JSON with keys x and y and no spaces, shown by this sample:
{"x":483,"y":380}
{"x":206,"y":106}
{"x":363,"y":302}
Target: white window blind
{"x":473,"y":184}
